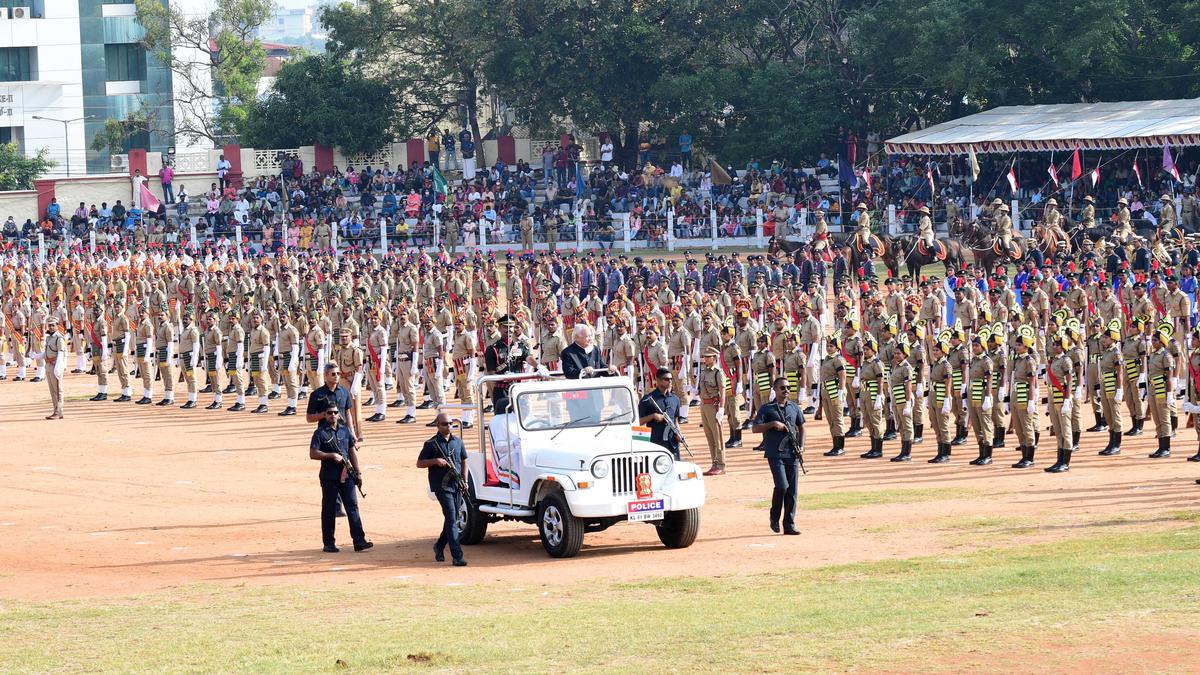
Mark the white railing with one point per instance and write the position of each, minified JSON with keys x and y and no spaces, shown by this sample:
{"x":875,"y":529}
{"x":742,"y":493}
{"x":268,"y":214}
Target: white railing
{"x":192,"y":162}
{"x":374,"y":160}
{"x":267,"y":161}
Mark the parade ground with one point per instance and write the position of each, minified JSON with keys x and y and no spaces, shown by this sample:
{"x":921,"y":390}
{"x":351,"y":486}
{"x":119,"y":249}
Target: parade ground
{"x":139,"y":538}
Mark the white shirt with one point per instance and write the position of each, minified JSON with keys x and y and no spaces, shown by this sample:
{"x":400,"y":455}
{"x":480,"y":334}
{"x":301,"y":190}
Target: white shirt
{"x":606,"y":152}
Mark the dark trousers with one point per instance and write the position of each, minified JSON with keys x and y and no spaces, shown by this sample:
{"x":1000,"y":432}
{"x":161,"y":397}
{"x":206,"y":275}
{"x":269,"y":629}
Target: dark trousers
{"x":331,"y":490}
{"x":448,"y":498}
{"x":785,"y":473}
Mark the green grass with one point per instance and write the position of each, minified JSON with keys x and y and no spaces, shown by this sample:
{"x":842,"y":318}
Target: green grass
{"x":850,"y":499}
{"x":924,"y":613}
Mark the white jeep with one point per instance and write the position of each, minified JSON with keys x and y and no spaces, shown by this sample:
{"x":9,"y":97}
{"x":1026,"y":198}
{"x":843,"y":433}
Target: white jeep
{"x":571,"y":458}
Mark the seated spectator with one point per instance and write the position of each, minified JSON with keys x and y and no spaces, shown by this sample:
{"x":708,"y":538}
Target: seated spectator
{"x":119,"y":214}
{"x":81,"y":215}
{"x":10,"y":230}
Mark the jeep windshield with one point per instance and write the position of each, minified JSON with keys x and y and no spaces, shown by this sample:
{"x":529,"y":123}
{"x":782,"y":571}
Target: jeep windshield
{"x":575,"y":408}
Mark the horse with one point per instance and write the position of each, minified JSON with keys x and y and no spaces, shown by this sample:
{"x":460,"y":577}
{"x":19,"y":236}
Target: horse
{"x":1049,"y":242}
{"x":911,"y":252}
{"x":987,"y":248}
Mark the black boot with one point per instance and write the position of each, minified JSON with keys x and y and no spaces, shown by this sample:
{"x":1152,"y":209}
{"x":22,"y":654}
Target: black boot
{"x":998,"y":438}
{"x":1026,"y":458}
{"x":1057,"y":466}
{"x":855,"y":428}
{"x":228,"y":389}
{"x":1066,"y":462}
{"x":1114,"y":444}
{"x":918,"y":434}
{"x":943,"y":454}
{"x":905,"y":452}
{"x":1037,"y":438}
{"x":985,"y":456}
{"x":1174,"y":425}
{"x":1101,"y":424}
{"x":1136,"y":429}
{"x":876,"y":450}
{"x":839,"y":447}
{"x":960,"y":435}
{"x":735,"y":439}
{"x":1164,"y":448}
{"x":1195,"y":457}
{"x":889,"y":434}
{"x":1075,"y":440}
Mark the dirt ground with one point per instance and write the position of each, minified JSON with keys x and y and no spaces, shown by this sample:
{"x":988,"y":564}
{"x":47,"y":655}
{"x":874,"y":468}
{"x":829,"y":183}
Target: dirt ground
{"x":121,"y":499}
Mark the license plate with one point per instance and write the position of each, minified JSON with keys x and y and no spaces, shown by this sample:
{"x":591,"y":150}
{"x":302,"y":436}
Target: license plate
{"x":646,"y":509}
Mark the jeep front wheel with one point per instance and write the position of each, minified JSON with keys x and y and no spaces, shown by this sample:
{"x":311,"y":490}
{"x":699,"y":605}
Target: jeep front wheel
{"x":678,"y":529}
{"x":472,"y":524}
{"x":562,"y":533}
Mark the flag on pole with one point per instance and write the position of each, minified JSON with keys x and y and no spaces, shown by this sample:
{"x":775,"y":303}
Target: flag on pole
{"x":1095,"y":174}
{"x":974,"y":164}
{"x":1012,"y":177}
{"x":845,"y":172}
{"x":1053,"y":174}
{"x":719,"y":175}
{"x":1136,"y":171}
{"x":440,"y":185}
{"x":1076,"y":166}
{"x":150,"y":203}
{"x":1169,"y":164}
{"x":932,"y":191}
{"x":866,"y":181}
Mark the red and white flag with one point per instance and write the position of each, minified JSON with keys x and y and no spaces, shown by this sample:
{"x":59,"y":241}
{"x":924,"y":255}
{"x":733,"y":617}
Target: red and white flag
{"x":1053,"y":174}
{"x":1095,"y":175}
{"x":1012,"y":177}
{"x":1076,"y":166}
{"x":1136,"y":171}
{"x":150,"y":203}
{"x":866,"y":178}
{"x":1169,"y":164}
{"x":932,"y":191}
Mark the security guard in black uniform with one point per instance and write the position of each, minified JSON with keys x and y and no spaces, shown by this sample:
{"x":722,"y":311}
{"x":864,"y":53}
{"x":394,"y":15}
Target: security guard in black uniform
{"x":658,"y":406}
{"x":772,"y":422}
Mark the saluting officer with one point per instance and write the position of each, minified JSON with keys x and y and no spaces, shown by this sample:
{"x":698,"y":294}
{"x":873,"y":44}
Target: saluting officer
{"x":1161,"y":368}
{"x":832,"y":379}
{"x":941,"y":391}
{"x":871,"y":402}
{"x":711,"y":387}
{"x":979,"y":375}
{"x":900,"y":384}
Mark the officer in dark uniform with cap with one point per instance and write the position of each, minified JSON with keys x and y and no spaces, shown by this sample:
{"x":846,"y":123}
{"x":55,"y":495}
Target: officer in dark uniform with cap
{"x":505,"y":355}
{"x":772,"y":422}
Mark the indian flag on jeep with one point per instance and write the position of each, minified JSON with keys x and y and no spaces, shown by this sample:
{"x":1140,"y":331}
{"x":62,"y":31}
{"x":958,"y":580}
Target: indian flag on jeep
{"x":641,"y":434}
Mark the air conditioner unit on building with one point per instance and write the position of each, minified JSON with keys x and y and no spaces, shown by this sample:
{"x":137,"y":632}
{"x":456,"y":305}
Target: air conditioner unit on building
{"x":21,"y":13}
{"x":119,"y":162}
{"x":3,"y":13}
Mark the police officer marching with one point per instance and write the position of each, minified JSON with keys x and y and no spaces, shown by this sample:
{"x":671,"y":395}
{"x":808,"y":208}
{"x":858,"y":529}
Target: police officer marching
{"x":832,"y":380}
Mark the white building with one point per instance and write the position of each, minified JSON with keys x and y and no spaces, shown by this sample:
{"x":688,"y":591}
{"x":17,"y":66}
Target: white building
{"x":289,"y":23}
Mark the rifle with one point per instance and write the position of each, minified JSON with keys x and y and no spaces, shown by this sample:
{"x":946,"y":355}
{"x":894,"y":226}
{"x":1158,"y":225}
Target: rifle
{"x":794,"y":444}
{"x":347,"y":467}
{"x":456,"y":475}
{"x":672,"y":426}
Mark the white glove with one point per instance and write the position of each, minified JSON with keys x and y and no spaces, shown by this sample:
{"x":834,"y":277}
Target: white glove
{"x":1119,"y":395}
{"x":907,"y":408}
{"x":920,"y":390}
{"x":856,"y":382}
{"x":1170,"y":398}
{"x":355,"y":384}
{"x":987,"y":403}
{"x":1066,"y":406}
{"x":879,"y":401}
{"x":1175,"y":383}
{"x":1141,"y":380}
{"x":1079,"y":391}
{"x":1031,"y":407}
{"x":963,"y":389}
{"x":946,"y":407}
{"x":841,"y":394}
{"x":1190,"y":408}
{"x":1003,"y":392}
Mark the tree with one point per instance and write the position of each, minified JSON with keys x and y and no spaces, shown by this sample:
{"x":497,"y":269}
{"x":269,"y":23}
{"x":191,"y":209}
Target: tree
{"x":114,"y":137}
{"x":216,"y":61}
{"x":317,"y":99}
{"x":17,"y":172}
{"x":431,"y":54}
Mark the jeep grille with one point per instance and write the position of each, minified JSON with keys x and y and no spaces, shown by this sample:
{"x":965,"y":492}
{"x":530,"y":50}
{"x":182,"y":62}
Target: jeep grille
{"x":624,"y":473}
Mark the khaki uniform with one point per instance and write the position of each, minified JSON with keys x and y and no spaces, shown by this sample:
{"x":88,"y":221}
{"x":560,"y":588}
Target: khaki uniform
{"x":979,"y":374}
{"x":940,"y":388}
{"x":259,"y":356}
{"x":762,"y":368}
{"x":213,"y":340}
{"x":679,"y":348}
{"x":729,"y":361}
{"x":1024,"y":389}
{"x":56,"y":363}
{"x":871,"y":387}
{"x":189,"y":358}
{"x":431,"y":356}
{"x":1159,"y":394}
{"x":1109,"y":364}
{"x":900,"y":379}
{"x":122,"y":335}
{"x":235,"y":358}
{"x":290,"y":361}
{"x":406,"y":343}
{"x":97,"y":342}
{"x":463,"y":353}
{"x":145,"y":341}
{"x":1133,"y":350}
{"x":164,"y":339}
{"x":711,"y":386}
{"x":1060,"y":423}
{"x":958,"y":359}
{"x":831,"y":372}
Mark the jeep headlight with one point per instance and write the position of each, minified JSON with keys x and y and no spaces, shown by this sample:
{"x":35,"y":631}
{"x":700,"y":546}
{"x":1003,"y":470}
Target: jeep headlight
{"x":662,"y":464}
{"x":599,"y":469}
